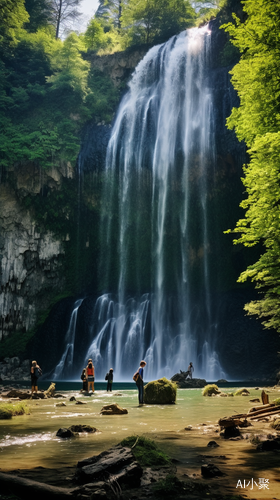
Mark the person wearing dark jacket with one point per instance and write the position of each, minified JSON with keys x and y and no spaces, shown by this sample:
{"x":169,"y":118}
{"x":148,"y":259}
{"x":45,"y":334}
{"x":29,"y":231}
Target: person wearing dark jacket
{"x":109,"y":378}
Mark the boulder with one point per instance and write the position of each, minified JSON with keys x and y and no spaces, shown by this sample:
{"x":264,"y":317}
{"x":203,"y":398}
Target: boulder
{"x":276,"y":424}
{"x":188,"y":383}
{"x":82,"y":428}
{"x":20,"y":394}
{"x":118,"y":462}
{"x":269,"y":445}
{"x":210,"y":470}
{"x":113,"y":409}
{"x":213,"y":444}
{"x":65,"y":433}
{"x":160,"y":391}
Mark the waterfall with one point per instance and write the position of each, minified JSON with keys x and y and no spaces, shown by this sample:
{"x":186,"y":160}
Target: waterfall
{"x":158,"y":218}
{"x":64,"y":368}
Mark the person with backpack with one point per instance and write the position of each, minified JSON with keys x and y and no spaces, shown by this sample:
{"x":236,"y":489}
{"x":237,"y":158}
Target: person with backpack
{"x":109,"y":377}
{"x":90,"y":375}
{"x":84,"y":379}
{"x":35,"y":372}
{"x":138,"y":377}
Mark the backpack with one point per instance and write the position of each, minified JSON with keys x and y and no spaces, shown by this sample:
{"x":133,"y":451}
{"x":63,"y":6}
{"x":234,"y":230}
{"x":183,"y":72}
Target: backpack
{"x":106,"y":376}
{"x":136,"y":376}
{"x":38,"y":372}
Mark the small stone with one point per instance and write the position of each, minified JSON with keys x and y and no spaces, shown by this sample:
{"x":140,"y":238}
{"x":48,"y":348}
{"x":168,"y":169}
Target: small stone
{"x":210,"y":470}
{"x":213,"y":444}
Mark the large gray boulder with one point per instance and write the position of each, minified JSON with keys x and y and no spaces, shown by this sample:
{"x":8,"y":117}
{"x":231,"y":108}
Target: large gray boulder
{"x":118,"y":462}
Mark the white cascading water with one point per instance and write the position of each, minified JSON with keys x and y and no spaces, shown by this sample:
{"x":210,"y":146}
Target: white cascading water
{"x":155,"y":225}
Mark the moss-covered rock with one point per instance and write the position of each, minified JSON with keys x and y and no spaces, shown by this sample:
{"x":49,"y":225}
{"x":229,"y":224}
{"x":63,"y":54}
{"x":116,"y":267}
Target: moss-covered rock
{"x":146,"y":451}
{"x":161,"y":391}
{"x":211,"y":390}
{"x":242,"y":392}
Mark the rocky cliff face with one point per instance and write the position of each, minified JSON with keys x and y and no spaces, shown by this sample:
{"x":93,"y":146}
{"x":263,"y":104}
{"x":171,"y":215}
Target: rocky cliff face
{"x":30,"y":261}
{"x":120,"y":65}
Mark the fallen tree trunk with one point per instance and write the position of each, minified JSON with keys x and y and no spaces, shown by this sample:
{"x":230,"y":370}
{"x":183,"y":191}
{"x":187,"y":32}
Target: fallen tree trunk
{"x":260,"y":412}
{"x":26,"y":488}
{"x":263,"y":415}
{"x":262,"y":407}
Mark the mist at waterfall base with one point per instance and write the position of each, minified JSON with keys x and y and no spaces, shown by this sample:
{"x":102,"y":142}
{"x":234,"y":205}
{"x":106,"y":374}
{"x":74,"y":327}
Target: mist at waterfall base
{"x":160,"y":229}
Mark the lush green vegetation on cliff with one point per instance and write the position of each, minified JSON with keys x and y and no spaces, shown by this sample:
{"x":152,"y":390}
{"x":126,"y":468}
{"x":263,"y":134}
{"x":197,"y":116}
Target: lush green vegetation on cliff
{"x":257,"y":122}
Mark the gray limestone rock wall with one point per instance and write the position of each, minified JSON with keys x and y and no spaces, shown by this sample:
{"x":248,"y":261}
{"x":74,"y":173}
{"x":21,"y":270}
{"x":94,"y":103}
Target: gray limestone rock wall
{"x":30,"y":261}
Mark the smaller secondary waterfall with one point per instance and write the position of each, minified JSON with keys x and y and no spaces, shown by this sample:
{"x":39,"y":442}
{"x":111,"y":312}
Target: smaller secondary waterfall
{"x":158,"y":222}
{"x":64,"y":369}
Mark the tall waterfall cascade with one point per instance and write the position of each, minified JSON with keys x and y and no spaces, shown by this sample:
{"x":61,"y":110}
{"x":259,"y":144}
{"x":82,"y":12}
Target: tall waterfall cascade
{"x":158,"y":222}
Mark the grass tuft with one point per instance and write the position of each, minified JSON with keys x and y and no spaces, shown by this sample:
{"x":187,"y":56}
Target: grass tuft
{"x":9,"y":410}
{"x":146,"y":451}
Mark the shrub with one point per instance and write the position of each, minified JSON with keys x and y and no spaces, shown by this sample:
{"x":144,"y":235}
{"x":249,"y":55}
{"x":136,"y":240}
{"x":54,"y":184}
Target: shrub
{"x":210,"y":389}
{"x":239,"y":392}
{"x":8,"y":410}
{"x":146,"y":451}
{"x":277,"y":401}
{"x":161,"y":391}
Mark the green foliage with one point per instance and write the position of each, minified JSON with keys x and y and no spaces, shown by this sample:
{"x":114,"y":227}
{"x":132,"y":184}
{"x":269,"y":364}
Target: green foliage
{"x":9,"y":410}
{"x":40,"y":14}
{"x":210,"y":389}
{"x":257,"y":122}
{"x":154,"y":21}
{"x":276,"y":401}
{"x":12,"y":17}
{"x":104,"y":97}
{"x":146,"y":451}
{"x":14,"y":344}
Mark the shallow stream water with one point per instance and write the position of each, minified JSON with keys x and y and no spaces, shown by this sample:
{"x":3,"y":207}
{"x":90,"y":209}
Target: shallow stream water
{"x":30,"y":440}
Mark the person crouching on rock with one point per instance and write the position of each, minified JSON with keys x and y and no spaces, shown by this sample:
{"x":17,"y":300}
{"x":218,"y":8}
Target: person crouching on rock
{"x":190,"y":370}
{"x":90,"y":375}
{"x":35,"y":372}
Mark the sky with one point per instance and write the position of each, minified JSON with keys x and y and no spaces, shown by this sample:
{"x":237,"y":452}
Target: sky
{"x":88,"y":9}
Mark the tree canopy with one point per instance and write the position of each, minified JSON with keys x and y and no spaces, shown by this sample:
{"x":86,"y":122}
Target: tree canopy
{"x":257,"y":122}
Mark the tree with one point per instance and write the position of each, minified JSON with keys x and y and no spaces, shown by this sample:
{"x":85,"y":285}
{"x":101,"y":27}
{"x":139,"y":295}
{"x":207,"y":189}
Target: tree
{"x":12,"y":18}
{"x":111,"y":11}
{"x":154,"y":21}
{"x":40,"y":14}
{"x":65,"y":11}
{"x":257,"y":122}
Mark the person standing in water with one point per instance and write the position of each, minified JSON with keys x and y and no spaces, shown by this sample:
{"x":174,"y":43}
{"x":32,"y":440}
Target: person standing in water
{"x":90,"y":375}
{"x":140,"y":382}
{"x":109,"y":378}
{"x":35,"y":372}
{"x":84,"y":379}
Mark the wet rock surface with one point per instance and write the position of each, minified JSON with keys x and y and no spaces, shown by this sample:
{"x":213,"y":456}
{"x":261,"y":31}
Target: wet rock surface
{"x":188,"y":383}
{"x":113,"y":409}
{"x":118,"y":461}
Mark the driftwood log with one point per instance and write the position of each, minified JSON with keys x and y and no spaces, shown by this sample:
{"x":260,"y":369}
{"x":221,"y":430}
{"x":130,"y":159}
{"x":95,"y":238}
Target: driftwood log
{"x":26,"y":488}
